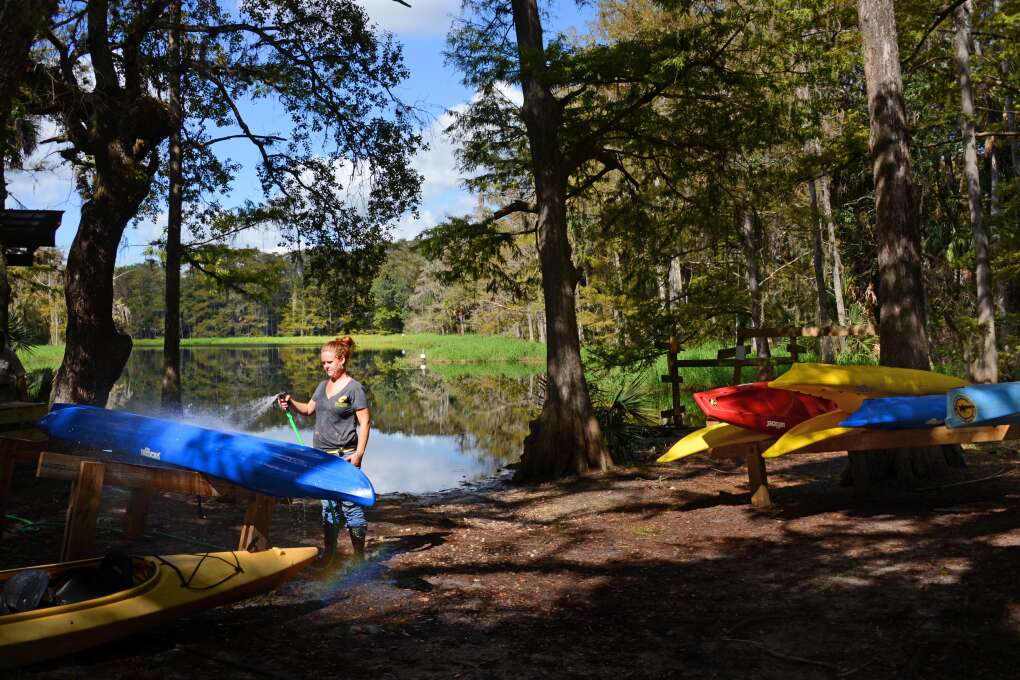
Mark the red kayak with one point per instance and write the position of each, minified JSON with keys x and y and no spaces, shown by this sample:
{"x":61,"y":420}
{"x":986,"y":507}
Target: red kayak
{"x":761,"y":408}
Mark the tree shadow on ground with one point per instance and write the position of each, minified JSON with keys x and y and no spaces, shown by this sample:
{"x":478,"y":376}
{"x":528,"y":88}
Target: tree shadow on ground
{"x":633,"y":576}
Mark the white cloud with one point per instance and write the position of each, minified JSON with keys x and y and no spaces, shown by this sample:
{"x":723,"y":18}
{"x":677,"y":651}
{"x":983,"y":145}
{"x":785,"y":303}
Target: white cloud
{"x":138,"y":237}
{"x":47,"y":182}
{"x":423,"y":17}
{"x":438,"y":163}
{"x":50,"y":188}
{"x":511,"y":91}
{"x":410,"y":226}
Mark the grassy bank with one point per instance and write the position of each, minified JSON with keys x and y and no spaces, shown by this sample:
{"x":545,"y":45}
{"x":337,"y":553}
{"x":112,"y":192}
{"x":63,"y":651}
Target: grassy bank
{"x":41,"y":356}
{"x":437,"y":348}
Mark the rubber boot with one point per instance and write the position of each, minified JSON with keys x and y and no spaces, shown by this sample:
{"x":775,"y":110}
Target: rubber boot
{"x":358,"y":541}
{"x":329,"y":536}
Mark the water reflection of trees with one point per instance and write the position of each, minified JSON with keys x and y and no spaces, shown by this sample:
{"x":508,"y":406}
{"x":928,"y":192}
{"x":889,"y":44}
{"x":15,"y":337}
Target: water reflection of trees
{"x":487,"y":413}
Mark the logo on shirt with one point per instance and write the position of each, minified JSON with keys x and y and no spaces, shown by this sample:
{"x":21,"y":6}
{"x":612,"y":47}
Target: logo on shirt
{"x":343,"y":401}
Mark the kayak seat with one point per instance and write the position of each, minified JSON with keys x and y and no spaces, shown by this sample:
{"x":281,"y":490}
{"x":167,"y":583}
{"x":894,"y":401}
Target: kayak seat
{"x":24,"y":591}
{"x":114,"y":573}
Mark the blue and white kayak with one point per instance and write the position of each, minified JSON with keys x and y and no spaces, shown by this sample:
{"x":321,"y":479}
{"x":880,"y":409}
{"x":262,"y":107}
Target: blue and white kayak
{"x":899,"y":413}
{"x":267,"y":466}
{"x":980,"y":405}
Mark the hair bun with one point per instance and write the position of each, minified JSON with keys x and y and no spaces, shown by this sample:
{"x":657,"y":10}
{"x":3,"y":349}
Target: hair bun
{"x":347,"y":341}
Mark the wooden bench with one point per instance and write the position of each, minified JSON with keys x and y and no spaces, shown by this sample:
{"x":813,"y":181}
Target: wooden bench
{"x":19,"y":441}
{"x":30,"y":445}
{"x":89,"y":476}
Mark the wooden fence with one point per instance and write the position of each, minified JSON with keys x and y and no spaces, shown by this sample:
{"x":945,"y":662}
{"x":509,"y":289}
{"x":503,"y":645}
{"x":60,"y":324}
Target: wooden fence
{"x":738,"y":357}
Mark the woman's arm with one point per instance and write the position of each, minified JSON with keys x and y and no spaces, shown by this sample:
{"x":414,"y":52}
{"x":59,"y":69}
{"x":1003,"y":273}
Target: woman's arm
{"x":305,"y":408}
{"x":364,"y":425}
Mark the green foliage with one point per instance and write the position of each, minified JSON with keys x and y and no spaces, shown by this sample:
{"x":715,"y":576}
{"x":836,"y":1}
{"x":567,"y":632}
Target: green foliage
{"x":625,"y":415}
{"x":393,"y":286}
{"x":139,"y":288}
{"x":40,"y":384}
{"x":677,"y":119}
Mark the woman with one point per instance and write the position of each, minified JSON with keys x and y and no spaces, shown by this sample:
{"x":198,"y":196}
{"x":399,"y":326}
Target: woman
{"x":342,"y":422}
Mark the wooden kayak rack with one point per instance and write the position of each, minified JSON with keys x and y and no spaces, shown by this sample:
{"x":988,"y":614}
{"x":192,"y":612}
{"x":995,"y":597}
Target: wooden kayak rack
{"x":858,"y":441}
{"x":89,"y":475}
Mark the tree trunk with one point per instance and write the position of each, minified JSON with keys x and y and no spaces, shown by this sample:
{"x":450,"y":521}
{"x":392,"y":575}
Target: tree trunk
{"x":985,"y":368}
{"x":95,"y":351}
{"x":825,"y":201}
{"x":1008,"y":114}
{"x":54,"y":314}
{"x":565,"y":439}
{"x":170,"y":399}
{"x":20,"y":20}
{"x":750,"y":233}
{"x":901,"y":293}
{"x":818,"y":256}
{"x":902,"y":332}
{"x":1008,"y":301}
{"x":121,"y":130}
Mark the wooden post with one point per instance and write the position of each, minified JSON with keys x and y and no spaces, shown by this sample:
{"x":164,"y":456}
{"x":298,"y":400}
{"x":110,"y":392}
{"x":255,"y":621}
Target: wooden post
{"x":144,"y":482}
{"x":794,"y":349}
{"x":255,"y":530}
{"x":86,"y":495}
{"x":739,"y":354}
{"x":676,"y":414}
{"x":758,"y":479}
{"x":860,"y":473}
{"x":6,"y":473}
{"x":674,"y":374}
{"x":137,"y":513}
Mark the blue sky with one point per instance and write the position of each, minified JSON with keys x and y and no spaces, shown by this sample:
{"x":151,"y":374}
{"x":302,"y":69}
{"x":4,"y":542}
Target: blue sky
{"x":433,"y":87}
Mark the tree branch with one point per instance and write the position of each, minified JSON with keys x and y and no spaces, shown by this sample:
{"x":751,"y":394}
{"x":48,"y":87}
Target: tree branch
{"x":939,"y":18}
{"x":514,"y":207}
{"x":99,"y":47}
{"x":257,"y":140}
{"x":210,"y":142}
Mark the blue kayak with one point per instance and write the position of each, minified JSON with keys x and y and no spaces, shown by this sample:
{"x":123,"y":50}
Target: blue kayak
{"x":267,"y":466}
{"x":979,"y":405}
{"x":899,"y":413}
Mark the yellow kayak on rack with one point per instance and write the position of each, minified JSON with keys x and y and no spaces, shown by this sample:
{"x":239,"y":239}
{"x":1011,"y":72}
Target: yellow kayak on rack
{"x":163,"y":588}
{"x":848,"y":386}
{"x":811,"y":431}
{"x":720,"y":434}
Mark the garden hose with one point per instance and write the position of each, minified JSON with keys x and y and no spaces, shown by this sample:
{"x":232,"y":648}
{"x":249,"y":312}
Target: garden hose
{"x":293,"y":426}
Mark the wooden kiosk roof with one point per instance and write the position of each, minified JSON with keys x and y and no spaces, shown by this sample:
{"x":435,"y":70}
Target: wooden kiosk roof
{"x":22,"y":231}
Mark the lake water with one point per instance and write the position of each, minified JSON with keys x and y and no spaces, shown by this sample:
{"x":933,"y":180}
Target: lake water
{"x":432,"y":428}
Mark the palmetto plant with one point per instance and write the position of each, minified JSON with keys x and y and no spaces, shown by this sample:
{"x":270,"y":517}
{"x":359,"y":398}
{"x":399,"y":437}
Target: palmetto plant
{"x":625,"y":408}
{"x":625,"y":413}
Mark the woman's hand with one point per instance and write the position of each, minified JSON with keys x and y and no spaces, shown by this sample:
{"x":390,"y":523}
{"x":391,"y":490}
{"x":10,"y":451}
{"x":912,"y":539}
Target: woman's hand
{"x":355,"y":458}
{"x":283,"y":399}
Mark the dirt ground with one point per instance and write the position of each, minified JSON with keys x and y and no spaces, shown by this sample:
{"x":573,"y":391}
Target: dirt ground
{"x":646,"y":572}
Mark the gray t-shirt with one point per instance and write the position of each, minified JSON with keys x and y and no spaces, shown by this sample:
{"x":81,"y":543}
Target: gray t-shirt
{"x":336,"y":425}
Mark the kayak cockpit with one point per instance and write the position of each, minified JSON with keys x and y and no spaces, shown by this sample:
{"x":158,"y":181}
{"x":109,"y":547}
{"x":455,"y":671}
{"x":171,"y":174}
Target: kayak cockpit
{"x":25,"y":592}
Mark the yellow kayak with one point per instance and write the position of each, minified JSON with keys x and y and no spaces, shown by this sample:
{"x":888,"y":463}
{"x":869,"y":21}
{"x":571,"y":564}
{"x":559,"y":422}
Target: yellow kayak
{"x":849,"y":386}
{"x":164,"y":588}
{"x":720,"y":434}
{"x":811,"y":431}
